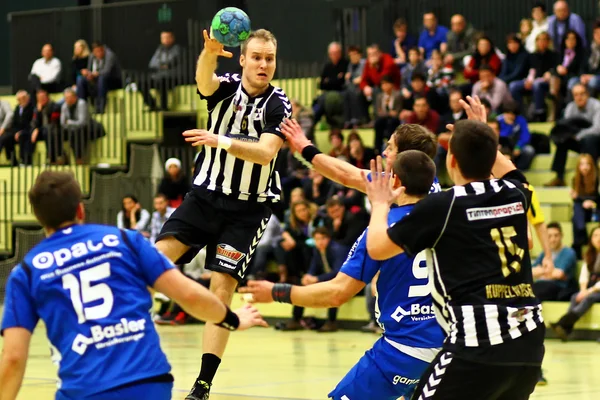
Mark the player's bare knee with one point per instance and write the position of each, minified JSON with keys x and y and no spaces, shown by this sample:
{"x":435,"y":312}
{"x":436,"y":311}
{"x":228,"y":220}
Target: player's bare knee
{"x":223,"y":286}
{"x":172,"y":248}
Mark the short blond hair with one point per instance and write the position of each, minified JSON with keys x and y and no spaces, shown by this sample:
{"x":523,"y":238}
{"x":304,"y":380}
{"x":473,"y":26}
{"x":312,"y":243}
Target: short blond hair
{"x":261,"y":34}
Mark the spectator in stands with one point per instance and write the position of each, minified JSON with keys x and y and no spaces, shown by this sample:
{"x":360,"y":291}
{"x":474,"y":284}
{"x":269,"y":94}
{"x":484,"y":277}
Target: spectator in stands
{"x":460,"y":41}
{"x":266,"y":250}
{"x":538,"y":79}
{"x":488,"y":109}
{"x":562,"y":21}
{"x":403,"y":41}
{"x":377,"y":66}
{"x":456,"y":113}
{"x":163,"y":71}
{"x":516,"y":64}
{"x":387,"y":109}
{"x":46,"y":72}
{"x":578,"y":131}
{"x":418,"y":88}
{"x":540,"y":24}
{"x":133,"y":216}
{"x":360,"y":156}
{"x":484,"y":55}
{"x":589,"y":289}
{"x":572,"y":58}
{"x":6,"y":117}
{"x":75,"y":123}
{"x":586,"y":198}
{"x":303,"y":116}
{"x":79,"y":62}
{"x":415,"y":64}
{"x":525,"y":28}
{"x":175,"y":184}
{"x":103,"y":73}
{"x":20,"y":125}
{"x":317,"y":189}
{"x":344,"y":225}
{"x":553,"y":284}
{"x":491,"y":88}
{"x":440,"y":77}
{"x":338,"y":148}
{"x":591,"y":69}
{"x":296,"y":252}
{"x":423,"y":115}
{"x":355,"y":105}
{"x":514,"y":134}
{"x":291,"y":170}
{"x":44,"y":125}
{"x":333,"y":79}
{"x":433,"y":36}
{"x":161,"y":213}
{"x":296,"y":196}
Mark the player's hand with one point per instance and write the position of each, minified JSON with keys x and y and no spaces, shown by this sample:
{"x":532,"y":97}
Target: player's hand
{"x":249,"y":317}
{"x":474,"y":109}
{"x":295,"y":135}
{"x":261,"y":291}
{"x":379,"y":188}
{"x":201,"y":137}
{"x":212,"y":46}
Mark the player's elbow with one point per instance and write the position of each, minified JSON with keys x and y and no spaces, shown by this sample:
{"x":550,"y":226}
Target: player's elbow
{"x":376,"y":252}
{"x":339,"y":296}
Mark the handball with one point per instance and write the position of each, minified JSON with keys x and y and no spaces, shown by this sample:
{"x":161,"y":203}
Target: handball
{"x":230,"y":26}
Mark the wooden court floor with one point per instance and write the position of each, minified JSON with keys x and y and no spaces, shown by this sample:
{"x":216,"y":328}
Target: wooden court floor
{"x":268,"y":364}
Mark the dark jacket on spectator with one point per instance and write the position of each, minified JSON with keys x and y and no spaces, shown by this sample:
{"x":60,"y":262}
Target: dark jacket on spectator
{"x":164,"y":61}
{"x":449,"y":118}
{"x":368,"y":155}
{"x":491,"y":60}
{"x":353,"y":224}
{"x":174,"y":189}
{"x":49,"y":115}
{"x":325,"y":191}
{"x":109,"y":66}
{"x":335,"y":254}
{"x":22,"y":120}
{"x":77,"y":64}
{"x":372,"y":74}
{"x":543,"y":62}
{"x":515,"y":66}
{"x":333,"y":76}
{"x":460,"y":45}
{"x":593,"y":64}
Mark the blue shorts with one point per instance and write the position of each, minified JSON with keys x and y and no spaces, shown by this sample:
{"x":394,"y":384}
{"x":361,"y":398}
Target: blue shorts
{"x":383,"y":373}
{"x":150,"y":390}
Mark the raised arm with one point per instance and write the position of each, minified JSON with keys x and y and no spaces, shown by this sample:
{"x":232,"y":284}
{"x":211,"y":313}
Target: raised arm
{"x":206,"y":79}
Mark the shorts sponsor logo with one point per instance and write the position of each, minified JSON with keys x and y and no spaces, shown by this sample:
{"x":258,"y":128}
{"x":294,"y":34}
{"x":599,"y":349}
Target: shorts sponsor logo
{"x":228,"y":254}
{"x":225,"y":265}
{"x":402,"y":380}
{"x":506,"y":210}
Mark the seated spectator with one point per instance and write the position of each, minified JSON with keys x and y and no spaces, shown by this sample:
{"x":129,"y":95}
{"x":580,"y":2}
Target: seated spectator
{"x":553,"y":284}
{"x":418,"y":88}
{"x":133,"y":216}
{"x":423,"y":115}
{"x":46,"y":72}
{"x":317,"y":189}
{"x":591,"y":69}
{"x":355,"y":104}
{"x":296,"y":196}
{"x":6,"y":117}
{"x":303,"y":116}
{"x":403,"y":41}
{"x":338,"y":148}
{"x":484,"y":55}
{"x":578,"y":131}
{"x":360,"y":156}
{"x":326,"y":260}
{"x":387,"y":109}
{"x":291,"y":170}
{"x":333,"y":76}
{"x":460,"y":42}
{"x":573,"y":57}
{"x":75,"y":123}
{"x":439,"y":76}
{"x":20,"y":125}
{"x":174,"y":185}
{"x":563,"y":20}
{"x":586,"y":198}
{"x":266,"y":250}
{"x":589,"y":289}
{"x":79,"y":62}
{"x":540,"y":24}
{"x":525,"y":28}
{"x":538,"y":79}
{"x":433,"y":36}
{"x":296,"y":253}
{"x":103,"y":73}
{"x":163,"y":71}
{"x":377,"y":66}
{"x":491,"y":88}
{"x":516,"y":64}
{"x":414,"y":65}
{"x":45,"y":126}
{"x":161,"y":214}
{"x":456,"y":113}
{"x":488,"y":109}
{"x":514,"y":134}
{"x":345,"y":226}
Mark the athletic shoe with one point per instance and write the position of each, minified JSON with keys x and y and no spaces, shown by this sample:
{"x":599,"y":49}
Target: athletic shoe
{"x":291,"y":325}
{"x":200,"y":391}
{"x":542,"y":381}
{"x":328,"y":327}
{"x":560,"y":331}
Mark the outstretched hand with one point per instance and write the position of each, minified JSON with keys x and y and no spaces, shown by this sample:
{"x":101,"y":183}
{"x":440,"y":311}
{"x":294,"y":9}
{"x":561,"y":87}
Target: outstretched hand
{"x":379,"y":189}
{"x":261,"y":291}
{"x":474,"y":109}
{"x":249,"y":317}
{"x":213,"y":46}
{"x":295,"y":135}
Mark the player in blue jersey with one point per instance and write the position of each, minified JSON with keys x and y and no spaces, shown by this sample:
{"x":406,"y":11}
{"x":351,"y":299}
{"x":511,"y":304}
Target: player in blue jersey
{"x":88,"y":283}
{"x":412,"y":337}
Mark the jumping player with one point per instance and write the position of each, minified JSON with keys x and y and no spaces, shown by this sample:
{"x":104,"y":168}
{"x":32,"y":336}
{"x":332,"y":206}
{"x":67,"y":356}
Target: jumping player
{"x":235,"y":180}
{"x":412,"y":338}
{"x":476,"y":240}
{"x":88,"y":283}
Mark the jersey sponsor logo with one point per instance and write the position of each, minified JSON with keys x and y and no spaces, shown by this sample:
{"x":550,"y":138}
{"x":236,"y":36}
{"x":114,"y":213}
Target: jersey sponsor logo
{"x":107,"y":336}
{"x":417,"y":312}
{"x":506,"y":210}
{"x":524,"y":290}
{"x":59,"y":257}
{"x":404,"y":380}
{"x":229,"y":254}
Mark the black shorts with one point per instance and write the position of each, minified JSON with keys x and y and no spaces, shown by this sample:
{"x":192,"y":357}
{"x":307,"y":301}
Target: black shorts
{"x":451,"y":378}
{"x":229,"y":229}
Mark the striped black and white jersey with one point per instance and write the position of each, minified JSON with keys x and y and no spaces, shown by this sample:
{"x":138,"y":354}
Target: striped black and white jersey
{"x":479,"y":267}
{"x":232,"y":112}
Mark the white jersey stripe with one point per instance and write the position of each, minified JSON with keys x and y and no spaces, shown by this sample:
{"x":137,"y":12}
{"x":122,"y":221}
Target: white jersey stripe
{"x":493,"y":325}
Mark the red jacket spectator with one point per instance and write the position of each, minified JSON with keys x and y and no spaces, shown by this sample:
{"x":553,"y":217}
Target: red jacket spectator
{"x":472,"y":71}
{"x":431,"y":120}
{"x":372,"y":74}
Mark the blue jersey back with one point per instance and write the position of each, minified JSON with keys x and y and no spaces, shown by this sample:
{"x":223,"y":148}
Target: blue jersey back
{"x":88,"y":283}
{"x":404,"y":304}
